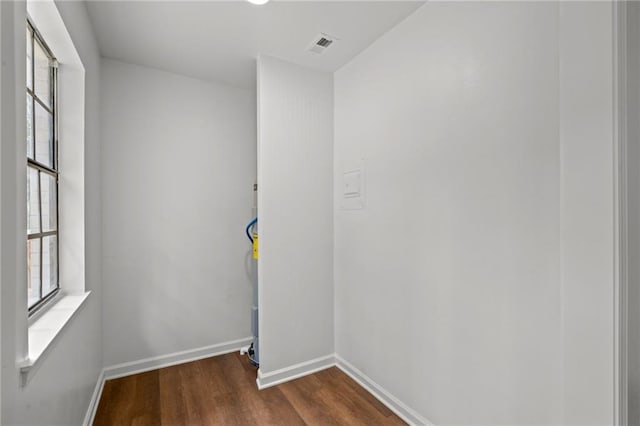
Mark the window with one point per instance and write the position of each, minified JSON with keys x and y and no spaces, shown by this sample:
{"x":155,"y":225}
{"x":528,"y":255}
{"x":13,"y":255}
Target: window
{"x":42,"y":172}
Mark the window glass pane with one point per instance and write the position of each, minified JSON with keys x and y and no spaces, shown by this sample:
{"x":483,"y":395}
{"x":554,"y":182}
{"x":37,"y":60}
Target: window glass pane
{"x":29,"y":59}
{"x":33,"y":204}
{"x":44,"y":136}
{"x":48,"y":201}
{"x":33,"y":271}
{"x":42,"y":252}
{"x":29,"y":126}
{"x":49,"y":265}
{"x":42,"y":74}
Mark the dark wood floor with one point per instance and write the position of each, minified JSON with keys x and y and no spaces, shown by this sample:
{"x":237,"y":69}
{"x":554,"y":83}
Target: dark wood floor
{"x":222,"y":391}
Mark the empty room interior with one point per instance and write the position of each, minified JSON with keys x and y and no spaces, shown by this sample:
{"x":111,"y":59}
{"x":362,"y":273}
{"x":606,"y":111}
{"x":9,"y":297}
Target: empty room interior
{"x":319,"y":212}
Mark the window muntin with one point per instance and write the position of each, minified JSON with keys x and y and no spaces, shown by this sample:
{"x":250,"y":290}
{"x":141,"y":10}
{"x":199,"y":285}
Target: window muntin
{"x":42,"y":173}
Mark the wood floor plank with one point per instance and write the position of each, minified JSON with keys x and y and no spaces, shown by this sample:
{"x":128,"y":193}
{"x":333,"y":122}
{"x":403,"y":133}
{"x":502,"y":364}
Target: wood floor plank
{"x":133,"y":400}
{"x":265,"y":407}
{"x":337,"y":376}
{"x":222,"y":391}
{"x":303,"y":395}
{"x":375,"y":403}
{"x":348,"y":407}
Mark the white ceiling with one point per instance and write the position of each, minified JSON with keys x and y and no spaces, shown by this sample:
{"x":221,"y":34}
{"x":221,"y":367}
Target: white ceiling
{"x":219,"y":40}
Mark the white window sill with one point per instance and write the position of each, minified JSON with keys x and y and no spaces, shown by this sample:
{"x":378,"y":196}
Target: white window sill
{"x":44,"y":331}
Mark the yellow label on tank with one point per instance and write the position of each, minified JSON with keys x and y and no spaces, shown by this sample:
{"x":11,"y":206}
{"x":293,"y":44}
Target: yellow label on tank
{"x":255,"y":246}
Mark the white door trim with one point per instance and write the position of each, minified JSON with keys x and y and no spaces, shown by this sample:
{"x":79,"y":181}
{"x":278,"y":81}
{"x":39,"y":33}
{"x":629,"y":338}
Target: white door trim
{"x":620,"y":211}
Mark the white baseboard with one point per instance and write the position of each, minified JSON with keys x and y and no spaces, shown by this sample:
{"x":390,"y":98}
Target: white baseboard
{"x":295,"y":371}
{"x":394,"y":404}
{"x":263,"y":381}
{"x":95,"y":398}
{"x":148,"y":364}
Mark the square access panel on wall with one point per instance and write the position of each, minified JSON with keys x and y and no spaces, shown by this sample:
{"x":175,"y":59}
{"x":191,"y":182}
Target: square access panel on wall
{"x":352,"y":195}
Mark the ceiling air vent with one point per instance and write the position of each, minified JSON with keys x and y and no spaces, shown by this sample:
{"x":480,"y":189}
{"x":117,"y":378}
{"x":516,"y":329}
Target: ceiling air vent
{"x":321,"y":43}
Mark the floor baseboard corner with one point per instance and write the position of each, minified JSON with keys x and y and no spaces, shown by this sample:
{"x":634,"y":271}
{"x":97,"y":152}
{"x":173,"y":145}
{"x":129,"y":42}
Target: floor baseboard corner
{"x":403,"y":411}
{"x":95,"y":399}
{"x":168,"y":360}
{"x":295,"y":371}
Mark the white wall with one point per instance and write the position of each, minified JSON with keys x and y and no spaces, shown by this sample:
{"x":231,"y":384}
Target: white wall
{"x":178,"y":166}
{"x":449,"y":283}
{"x":59,"y":392}
{"x":586,"y":151}
{"x":295,"y":148}
{"x":13,"y":327}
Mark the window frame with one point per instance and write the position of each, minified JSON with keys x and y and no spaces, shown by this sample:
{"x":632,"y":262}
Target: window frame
{"x":33,"y":163}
